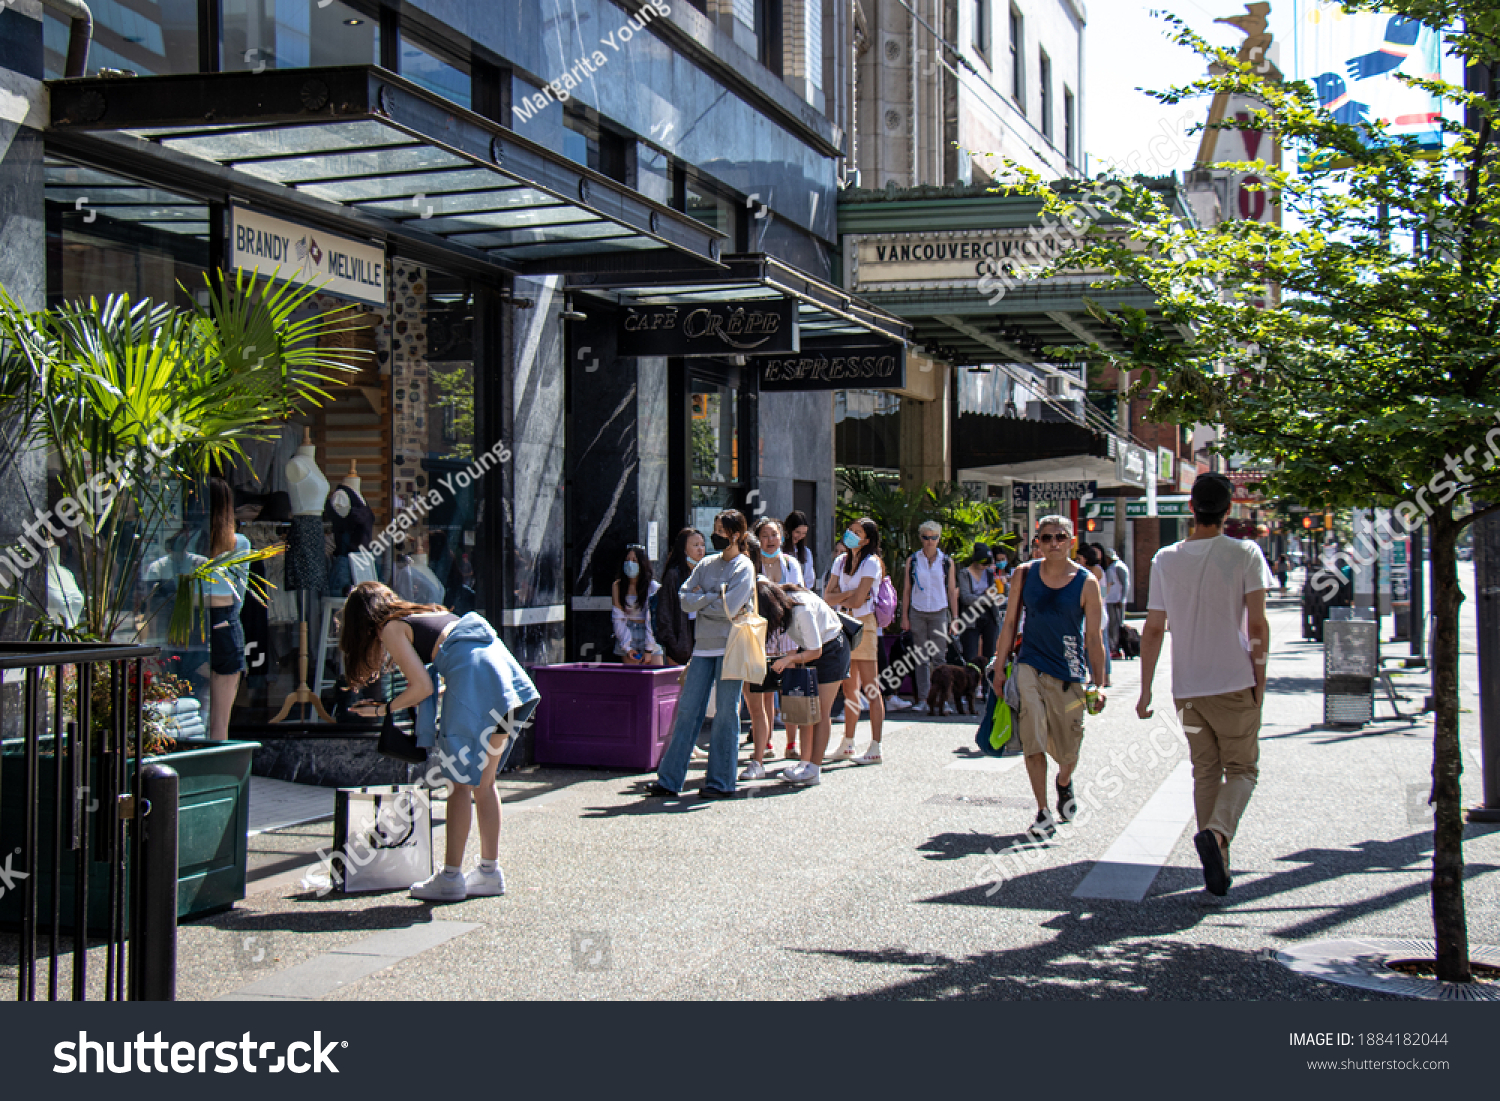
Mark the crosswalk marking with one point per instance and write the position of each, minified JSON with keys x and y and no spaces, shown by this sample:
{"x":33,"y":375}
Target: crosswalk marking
{"x":1126,"y":871}
{"x":985,"y":764}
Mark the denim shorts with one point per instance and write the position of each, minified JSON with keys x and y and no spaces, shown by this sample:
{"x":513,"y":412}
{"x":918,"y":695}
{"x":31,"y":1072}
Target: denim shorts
{"x":226,"y":641}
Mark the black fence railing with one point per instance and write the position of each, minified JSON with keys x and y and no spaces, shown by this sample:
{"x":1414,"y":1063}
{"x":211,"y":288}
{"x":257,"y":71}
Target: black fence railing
{"x":88,"y":825}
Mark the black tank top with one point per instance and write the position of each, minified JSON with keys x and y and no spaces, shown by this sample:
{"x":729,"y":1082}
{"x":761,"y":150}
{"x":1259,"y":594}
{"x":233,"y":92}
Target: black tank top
{"x":425,"y":629}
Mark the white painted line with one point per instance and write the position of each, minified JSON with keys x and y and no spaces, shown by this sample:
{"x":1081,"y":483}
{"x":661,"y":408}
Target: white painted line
{"x":1126,"y":871}
{"x":985,"y":764}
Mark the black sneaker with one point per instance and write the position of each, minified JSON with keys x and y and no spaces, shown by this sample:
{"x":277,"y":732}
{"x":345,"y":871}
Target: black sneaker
{"x":1043,"y":828}
{"x":1215,"y":873}
{"x":706,"y":792}
{"x":1067,"y":806}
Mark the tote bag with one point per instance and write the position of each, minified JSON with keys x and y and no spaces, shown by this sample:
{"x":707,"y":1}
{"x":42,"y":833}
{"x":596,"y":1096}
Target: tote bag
{"x":745,"y":651}
{"x":799,"y":695}
{"x":382,"y":838}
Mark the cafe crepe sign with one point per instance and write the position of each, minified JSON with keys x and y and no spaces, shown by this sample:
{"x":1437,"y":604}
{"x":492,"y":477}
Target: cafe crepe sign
{"x":302,"y":254}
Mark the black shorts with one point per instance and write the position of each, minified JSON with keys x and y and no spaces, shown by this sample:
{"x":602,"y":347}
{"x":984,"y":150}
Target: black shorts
{"x":773,"y":679}
{"x":832,"y":665}
{"x":226,"y":641}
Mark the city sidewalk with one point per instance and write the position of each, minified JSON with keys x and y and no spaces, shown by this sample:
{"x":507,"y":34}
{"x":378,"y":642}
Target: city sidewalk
{"x":886,"y":881}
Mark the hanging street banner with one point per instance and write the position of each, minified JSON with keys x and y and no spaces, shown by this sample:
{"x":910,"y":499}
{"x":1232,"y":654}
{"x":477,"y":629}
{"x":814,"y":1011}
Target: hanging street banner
{"x":710,"y":329}
{"x":278,"y":248}
{"x":1133,"y":465}
{"x":835,"y":363}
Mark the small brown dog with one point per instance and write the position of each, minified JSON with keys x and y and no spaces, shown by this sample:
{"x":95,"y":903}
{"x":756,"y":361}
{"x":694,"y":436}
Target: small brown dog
{"x":959,"y":683}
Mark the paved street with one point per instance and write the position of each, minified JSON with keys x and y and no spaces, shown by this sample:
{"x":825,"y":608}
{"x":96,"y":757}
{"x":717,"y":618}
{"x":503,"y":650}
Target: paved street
{"x":881,"y":883}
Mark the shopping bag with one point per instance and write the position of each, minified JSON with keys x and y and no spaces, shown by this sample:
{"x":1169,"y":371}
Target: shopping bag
{"x":382,"y":838}
{"x":745,"y":651}
{"x":398,"y":744}
{"x":799,"y":695}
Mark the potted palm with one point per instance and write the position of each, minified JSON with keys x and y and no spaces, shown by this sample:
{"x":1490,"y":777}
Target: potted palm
{"x":133,"y":402}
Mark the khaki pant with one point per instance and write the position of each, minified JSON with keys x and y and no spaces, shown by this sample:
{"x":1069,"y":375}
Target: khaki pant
{"x":1223,"y":735}
{"x":1051,"y":715}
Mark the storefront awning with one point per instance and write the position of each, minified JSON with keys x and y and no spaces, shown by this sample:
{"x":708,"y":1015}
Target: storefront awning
{"x":375,"y":144}
{"x":823,"y":310}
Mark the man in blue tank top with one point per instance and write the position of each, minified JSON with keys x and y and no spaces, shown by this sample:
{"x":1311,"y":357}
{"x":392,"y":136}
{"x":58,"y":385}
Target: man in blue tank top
{"x":1062,"y":649}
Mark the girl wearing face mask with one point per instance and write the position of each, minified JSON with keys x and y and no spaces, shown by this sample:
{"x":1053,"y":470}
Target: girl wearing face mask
{"x":635,"y":642}
{"x":851,"y":586}
{"x":674,"y":627}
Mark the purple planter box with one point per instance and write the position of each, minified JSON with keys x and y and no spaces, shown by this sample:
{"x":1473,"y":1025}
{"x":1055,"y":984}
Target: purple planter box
{"x":604,"y":716}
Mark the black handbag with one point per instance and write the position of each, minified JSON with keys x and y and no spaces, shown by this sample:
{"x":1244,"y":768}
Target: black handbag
{"x":853,"y":629}
{"x":399,"y":745}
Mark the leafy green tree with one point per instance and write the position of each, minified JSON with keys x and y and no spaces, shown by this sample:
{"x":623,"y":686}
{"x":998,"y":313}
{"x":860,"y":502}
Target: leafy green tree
{"x":1377,"y":380}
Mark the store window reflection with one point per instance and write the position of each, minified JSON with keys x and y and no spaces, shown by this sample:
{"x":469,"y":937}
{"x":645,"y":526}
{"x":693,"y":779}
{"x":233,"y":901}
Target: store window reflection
{"x":867,"y":429}
{"x":714,"y":437}
{"x":146,"y":37}
{"x":423,"y":67}
{"x":282,"y":34}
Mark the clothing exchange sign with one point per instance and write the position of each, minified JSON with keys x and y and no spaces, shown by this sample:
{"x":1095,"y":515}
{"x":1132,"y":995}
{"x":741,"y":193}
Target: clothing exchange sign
{"x":709,"y":329}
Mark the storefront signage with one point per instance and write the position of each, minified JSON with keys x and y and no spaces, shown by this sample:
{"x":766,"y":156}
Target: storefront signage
{"x":929,"y":261}
{"x":1169,"y":507}
{"x":301,"y":254}
{"x":1022,"y":493}
{"x":1187,"y":474}
{"x":832,"y":364}
{"x":1166,"y":466}
{"x":710,"y":329}
{"x":1133,"y":465}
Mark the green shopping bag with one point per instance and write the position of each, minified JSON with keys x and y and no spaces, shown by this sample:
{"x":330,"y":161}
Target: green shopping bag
{"x":996,"y":726}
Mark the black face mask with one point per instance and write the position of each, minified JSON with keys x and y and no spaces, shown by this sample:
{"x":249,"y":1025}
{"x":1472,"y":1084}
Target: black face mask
{"x":719,"y":541}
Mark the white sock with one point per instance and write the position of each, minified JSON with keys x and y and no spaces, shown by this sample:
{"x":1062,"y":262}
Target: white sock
{"x":487,"y":866}
{"x":450,"y":871}
{"x":812,"y":769}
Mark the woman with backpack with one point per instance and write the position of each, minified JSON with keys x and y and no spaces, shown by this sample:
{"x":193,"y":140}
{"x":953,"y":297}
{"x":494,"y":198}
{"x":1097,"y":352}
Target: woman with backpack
{"x":977,"y":582}
{"x":855,"y":582}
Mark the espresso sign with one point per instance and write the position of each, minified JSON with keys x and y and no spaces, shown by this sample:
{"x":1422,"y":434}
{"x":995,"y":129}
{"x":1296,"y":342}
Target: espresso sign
{"x":829,"y":365}
{"x":710,"y":329}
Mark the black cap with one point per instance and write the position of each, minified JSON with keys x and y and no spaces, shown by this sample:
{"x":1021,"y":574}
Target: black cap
{"x":981,"y":550}
{"x":1212,"y":493}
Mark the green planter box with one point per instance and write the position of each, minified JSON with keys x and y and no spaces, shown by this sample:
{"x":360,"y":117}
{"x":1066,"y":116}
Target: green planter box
{"x":212,"y":819}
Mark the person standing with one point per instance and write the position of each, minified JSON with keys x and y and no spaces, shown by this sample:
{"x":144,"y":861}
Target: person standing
{"x":852,"y":582}
{"x":1062,"y":647}
{"x":797,"y":530}
{"x":225,"y":593}
{"x":674,"y":627}
{"x":720,"y":586}
{"x":821,"y":644}
{"x":1210,"y":592}
{"x":976,"y":583}
{"x":929,"y":607}
{"x":630,"y":610}
{"x":1283,"y":569}
{"x":1116,"y":589}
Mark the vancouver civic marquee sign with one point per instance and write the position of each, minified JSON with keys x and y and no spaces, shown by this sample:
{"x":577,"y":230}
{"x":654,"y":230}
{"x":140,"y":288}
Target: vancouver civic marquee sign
{"x":956,"y":258}
{"x":831,"y":364}
{"x":709,"y":328}
{"x":302,"y":254}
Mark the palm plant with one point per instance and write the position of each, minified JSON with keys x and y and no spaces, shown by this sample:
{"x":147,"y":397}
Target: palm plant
{"x":133,"y":400}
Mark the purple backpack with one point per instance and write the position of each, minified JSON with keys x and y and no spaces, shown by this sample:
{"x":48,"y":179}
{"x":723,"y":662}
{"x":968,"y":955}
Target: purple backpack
{"x":885,"y":602}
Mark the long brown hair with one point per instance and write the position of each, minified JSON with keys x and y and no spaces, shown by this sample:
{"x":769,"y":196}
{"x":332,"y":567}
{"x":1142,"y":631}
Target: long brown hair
{"x":369,"y":608}
{"x":774,"y":605}
{"x":220,"y":517}
{"x":732,"y":523}
{"x":871,"y":547}
{"x":757,"y":557}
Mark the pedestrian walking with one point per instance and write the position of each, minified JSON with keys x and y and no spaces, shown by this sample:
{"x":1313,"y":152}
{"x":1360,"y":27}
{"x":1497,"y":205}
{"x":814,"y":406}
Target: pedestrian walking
{"x":1062,"y":650}
{"x":929,"y":608}
{"x":1283,"y":569}
{"x":1210,"y":592}
{"x":853,"y":580}
{"x":1116,"y":589}
{"x":486,"y":696}
{"x":721,"y":586}
{"x":1092,"y":558}
{"x":630,"y":610}
{"x":674,"y":626}
{"x":797,"y":530}
{"x":978,"y":606}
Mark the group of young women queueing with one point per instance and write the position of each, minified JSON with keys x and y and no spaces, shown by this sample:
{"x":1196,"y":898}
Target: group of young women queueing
{"x":770,"y":574}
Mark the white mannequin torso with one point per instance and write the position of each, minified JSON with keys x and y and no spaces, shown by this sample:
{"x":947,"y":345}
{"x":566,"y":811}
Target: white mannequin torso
{"x":305,"y":483}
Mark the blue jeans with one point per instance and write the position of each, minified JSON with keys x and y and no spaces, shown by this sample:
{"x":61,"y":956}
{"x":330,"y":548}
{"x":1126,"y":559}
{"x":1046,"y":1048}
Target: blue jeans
{"x":692,"y":706}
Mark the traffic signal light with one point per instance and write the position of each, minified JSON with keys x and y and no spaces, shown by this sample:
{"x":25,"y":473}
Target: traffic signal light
{"x":1091,"y":525}
{"x":1307,"y":522}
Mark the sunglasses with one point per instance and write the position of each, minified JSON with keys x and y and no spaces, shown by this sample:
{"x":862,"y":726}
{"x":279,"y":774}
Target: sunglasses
{"x":1060,"y":537}
{"x":929,"y":538}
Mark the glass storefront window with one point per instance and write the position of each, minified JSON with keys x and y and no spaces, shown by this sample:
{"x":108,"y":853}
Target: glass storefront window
{"x":867,"y":429}
{"x":280,"y":34}
{"x":714,"y":435}
{"x":426,"y":69}
{"x":147,"y":37}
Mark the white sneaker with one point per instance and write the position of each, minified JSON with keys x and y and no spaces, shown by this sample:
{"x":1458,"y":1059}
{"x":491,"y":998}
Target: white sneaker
{"x":482,"y":884}
{"x":896,"y":703}
{"x":843,"y":753}
{"x":439,"y":887}
{"x":699,"y":753}
{"x":870,"y":756}
{"x":754,"y":770}
{"x":803,"y":773}
{"x":949,"y":709}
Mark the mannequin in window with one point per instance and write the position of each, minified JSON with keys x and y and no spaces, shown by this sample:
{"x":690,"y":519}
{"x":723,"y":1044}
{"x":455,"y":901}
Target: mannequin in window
{"x":353,"y":527}
{"x":306,"y":559}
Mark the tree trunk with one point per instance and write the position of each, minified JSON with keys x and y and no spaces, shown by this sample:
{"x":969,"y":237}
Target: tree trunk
{"x":1449,"y":924}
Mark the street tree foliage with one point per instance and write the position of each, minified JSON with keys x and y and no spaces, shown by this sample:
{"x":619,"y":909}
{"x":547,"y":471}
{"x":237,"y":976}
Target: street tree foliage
{"x":1376,"y":381}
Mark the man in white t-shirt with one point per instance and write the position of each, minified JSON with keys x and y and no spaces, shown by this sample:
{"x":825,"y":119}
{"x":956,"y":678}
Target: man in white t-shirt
{"x":1211,"y":591}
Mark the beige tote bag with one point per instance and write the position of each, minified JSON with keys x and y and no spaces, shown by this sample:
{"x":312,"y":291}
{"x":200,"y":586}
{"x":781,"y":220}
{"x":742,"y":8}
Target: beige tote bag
{"x":745,"y":652}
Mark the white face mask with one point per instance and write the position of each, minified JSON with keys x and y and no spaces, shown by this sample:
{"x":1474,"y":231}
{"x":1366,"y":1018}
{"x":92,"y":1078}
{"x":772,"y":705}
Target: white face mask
{"x":632,"y":569}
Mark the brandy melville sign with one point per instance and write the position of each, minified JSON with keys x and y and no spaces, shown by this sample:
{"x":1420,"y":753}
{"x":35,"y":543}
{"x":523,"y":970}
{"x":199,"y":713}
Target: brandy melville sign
{"x":934,"y":261}
{"x":301,"y":254}
{"x":827,"y":364}
{"x":710,"y":328}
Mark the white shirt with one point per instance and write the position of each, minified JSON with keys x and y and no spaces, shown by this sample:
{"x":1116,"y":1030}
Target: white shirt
{"x":1117,"y":578}
{"x":870,"y":568}
{"x":1201,"y":584}
{"x":814,"y":623}
{"x":929,"y":583}
{"x":791,"y":572}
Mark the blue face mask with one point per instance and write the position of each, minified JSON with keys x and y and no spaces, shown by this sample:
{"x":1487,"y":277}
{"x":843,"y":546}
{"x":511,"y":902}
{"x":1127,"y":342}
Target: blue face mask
{"x":632,"y":569}
{"x":851,"y":540}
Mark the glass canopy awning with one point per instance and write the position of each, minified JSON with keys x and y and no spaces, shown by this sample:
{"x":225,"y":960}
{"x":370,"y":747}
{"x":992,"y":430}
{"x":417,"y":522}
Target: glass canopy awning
{"x":378,"y":145}
{"x":823,"y":310}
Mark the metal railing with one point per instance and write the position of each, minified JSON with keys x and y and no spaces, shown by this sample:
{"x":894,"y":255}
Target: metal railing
{"x":75,"y":793}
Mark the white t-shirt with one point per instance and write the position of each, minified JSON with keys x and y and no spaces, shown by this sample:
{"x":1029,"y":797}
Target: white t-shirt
{"x":1201,"y":584}
{"x":814,"y":623}
{"x":1117,"y":581}
{"x":870,"y":568}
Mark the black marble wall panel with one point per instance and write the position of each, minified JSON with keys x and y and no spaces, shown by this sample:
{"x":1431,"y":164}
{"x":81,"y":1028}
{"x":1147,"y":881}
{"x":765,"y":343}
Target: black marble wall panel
{"x":796,"y":444}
